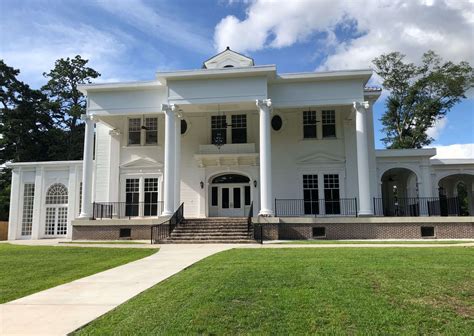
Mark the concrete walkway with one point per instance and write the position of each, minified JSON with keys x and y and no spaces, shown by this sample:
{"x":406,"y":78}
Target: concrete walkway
{"x":62,"y":309}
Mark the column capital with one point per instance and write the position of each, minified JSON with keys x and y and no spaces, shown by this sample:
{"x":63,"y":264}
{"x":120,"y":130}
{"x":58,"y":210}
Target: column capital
{"x":359,"y":105}
{"x":262,"y":103}
{"x":115,"y":132}
{"x":168,"y":108}
{"x":89,"y":117}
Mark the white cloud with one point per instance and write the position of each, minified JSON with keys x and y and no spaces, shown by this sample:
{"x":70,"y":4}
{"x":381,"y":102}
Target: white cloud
{"x":411,"y":27}
{"x":457,"y":151}
{"x":436,"y":130}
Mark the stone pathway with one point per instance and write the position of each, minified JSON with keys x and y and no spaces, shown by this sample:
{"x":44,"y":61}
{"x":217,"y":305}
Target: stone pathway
{"x":63,"y":309}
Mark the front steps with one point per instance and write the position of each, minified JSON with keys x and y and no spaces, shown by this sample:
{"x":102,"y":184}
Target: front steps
{"x":211,"y":230}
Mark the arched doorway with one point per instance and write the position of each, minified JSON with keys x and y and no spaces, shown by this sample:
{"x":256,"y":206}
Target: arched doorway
{"x":457,"y":189}
{"x":400,"y":193}
{"x":229,"y":195}
{"x":56,"y":211}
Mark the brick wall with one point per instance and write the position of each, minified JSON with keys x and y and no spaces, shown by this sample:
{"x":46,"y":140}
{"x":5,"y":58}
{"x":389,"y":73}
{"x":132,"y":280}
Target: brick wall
{"x":375,"y":230}
{"x":109,"y":232}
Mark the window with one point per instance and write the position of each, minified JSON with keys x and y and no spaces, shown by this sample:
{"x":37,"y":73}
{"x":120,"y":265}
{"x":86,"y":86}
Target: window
{"x":56,"y":194}
{"x":310,"y":194}
{"x":239,"y":128}
{"x":28,"y":199}
{"x":184,"y":126}
{"x":247,"y":195}
{"x":132,"y":194}
{"x":309,"y":124}
{"x":237,"y":201}
{"x":277,"y":123}
{"x":125,"y":233}
{"x":151,"y":131}
{"x":219,"y":130}
{"x":427,"y":231}
{"x":225,"y":198}
{"x":319,"y":232}
{"x":331,"y":194}
{"x":151,"y":197}
{"x":134,"y":131}
{"x":329,"y":123}
{"x":214,"y":192}
{"x":147,"y":126}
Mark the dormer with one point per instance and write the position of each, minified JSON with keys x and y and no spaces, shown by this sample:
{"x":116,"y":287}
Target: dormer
{"x":228,"y":59}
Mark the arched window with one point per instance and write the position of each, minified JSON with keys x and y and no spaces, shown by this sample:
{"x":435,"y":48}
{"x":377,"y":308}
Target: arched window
{"x":231,"y":178}
{"x":57,"y":194}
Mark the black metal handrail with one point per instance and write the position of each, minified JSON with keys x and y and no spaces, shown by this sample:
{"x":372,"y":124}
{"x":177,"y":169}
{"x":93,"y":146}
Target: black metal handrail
{"x":417,"y":206}
{"x":249,"y":221}
{"x":160,"y":232}
{"x":102,"y":210}
{"x":318,"y":207}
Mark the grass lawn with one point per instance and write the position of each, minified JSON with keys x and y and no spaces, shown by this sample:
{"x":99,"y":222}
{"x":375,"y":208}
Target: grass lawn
{"x":105,"y":242}
{"x":307,"y":291}
{"x":376,"y":242}
{"x":29,"y":269}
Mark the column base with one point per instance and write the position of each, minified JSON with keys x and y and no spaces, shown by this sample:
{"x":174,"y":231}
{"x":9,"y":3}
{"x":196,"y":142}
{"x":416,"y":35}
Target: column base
{"x":84,"y":216}
{"x":167,"y":213}
{"x":365,"y":213}
{"x":266,"y":213}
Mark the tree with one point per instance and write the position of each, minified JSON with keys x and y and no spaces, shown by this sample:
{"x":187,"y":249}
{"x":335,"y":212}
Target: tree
{"x":67,"y":103}
{"x":419,"y":96}
{"x":24,"y":124}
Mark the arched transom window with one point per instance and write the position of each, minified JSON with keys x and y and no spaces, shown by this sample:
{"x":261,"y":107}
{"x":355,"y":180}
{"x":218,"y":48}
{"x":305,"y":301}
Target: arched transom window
{"x":57,"y":194}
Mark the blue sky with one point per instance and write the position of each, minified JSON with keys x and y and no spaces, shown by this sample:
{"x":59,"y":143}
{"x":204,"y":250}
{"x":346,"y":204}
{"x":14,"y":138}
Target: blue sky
{"x":131,"y":39}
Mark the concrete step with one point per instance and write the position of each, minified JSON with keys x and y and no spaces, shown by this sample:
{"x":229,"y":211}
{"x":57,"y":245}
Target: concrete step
{"x":212,"y":227}
{"x":208,"y":231}
{"x":216,"y":236}
{"x":215,"y":241}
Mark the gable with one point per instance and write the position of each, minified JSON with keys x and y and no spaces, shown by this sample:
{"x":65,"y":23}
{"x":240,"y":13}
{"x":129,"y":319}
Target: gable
{"x":320,"y":158}
{"x":142,"y":163}
{"x":228,"y":59}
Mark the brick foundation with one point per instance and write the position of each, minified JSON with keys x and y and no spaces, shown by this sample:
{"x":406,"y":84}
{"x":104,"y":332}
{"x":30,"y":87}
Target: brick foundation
{"x":335,"y":231}
{"x":109,"y":232}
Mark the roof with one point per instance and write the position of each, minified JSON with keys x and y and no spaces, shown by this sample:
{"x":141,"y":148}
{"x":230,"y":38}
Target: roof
{"x":391,"y":153}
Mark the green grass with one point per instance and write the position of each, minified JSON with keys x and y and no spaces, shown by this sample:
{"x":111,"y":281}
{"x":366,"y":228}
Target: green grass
{"x":29,"y":269}
{"x":307,"y":291}
{"x":376,"y":242}
{"x":105,"y":242}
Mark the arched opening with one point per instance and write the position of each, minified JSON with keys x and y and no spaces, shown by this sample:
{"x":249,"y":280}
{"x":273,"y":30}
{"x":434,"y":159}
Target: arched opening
{"x":400,"y":193}
{"x":230,"y":195}
{"x":56,"y":210}
{"x":457,"y":192}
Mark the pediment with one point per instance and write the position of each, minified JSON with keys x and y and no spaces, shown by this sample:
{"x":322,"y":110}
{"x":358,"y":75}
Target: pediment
{"x":320,"y":158}
{"x":228,"y":58}
{"x":142,"y":163}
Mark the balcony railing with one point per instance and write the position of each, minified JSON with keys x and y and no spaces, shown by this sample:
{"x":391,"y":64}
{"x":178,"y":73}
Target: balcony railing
{"x":119,"y":210}
{"x":319,"y":207}
{"x":417,"y":206}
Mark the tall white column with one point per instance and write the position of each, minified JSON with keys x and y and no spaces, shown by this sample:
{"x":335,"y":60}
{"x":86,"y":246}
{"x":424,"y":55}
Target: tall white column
{"x":170,"y":139}
{"x":177,"y":163}
{"x":14,"y":225}
{"x":365,"y":202}
{"x":266,"y":204}
{"x":87,"y":167}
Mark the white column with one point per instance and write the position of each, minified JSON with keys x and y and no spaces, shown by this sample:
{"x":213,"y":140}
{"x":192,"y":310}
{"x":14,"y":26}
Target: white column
{"x":365,"y":202}
{"x":177,"y":163}
{"x":87,"y":167}
{"x":37,"y":227}
{"x":170,"y":139}
{"x":14,"y":218}
{"x":72,"y":194}
{"x":266,"y":203}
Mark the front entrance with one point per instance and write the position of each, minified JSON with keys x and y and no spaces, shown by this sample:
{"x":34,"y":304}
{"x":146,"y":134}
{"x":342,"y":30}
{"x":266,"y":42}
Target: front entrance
{"x":56,"y":211}
{"x":230,"y":196}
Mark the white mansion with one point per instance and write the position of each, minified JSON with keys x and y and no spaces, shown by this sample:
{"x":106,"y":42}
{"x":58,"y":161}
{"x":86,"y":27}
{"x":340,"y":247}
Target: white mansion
{"x":227,"y":139}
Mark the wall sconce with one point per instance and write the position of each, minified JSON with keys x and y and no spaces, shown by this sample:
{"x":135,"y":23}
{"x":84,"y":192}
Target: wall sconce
{"x":201,"y":184}
{"x":255,"y":183}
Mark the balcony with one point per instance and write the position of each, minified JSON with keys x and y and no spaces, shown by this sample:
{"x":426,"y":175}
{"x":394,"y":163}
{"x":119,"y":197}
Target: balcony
{"x":227,"y":155}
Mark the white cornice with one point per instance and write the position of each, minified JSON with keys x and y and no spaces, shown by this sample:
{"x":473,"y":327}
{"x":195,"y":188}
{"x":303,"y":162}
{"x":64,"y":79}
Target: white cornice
{"x":393,"y":153}
{"x":138,"y":85}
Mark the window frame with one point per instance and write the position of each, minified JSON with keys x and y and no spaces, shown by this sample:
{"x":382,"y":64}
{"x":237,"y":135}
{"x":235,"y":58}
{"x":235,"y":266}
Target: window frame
{"x":330,"y":120}
{"x":310,"y":123}
{"x":143,"y":131}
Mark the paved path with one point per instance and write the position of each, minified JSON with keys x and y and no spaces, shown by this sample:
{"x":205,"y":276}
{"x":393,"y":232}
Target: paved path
{"x":62,"y":309}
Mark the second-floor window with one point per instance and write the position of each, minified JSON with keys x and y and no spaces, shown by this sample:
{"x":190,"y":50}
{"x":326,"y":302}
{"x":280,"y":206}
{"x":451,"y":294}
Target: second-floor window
{"x":239,"y":128}
{"x":309,"y":124}
{"x":143,"y":131}
{"x":329,"y":123}
{"x":218,"y":130}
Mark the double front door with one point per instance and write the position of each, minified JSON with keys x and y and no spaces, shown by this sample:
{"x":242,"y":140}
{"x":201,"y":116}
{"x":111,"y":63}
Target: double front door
{"x":229,"y":200}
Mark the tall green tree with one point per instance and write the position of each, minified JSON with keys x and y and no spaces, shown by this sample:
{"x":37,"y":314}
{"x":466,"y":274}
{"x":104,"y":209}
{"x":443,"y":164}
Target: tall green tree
{"x":419,"y":96}
{"x":67,"y":103}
